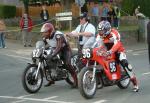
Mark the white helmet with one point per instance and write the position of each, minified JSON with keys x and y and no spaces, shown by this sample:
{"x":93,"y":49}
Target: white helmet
{"x":105,"y":27}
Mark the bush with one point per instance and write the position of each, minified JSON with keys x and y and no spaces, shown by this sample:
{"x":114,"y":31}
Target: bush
{"x":7,"y":11}
{"x":129,"y":6}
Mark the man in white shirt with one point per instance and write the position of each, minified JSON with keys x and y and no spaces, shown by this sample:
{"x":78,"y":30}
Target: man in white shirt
{"x":85,"y":31}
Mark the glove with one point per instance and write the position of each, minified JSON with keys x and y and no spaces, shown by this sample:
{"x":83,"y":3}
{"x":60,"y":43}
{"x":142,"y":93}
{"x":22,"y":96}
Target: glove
{"x":44,"y":40}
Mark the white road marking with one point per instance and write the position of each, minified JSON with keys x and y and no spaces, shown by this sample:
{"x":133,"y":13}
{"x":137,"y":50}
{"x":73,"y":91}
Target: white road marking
{"x":26,"y":96}
{"x":50,"y":97}
{"x":136,"y":54}
{"x":19,"y":101}
{"x":100,"y":101}
{"x":146,"y":73}
{"x":34,"y":99}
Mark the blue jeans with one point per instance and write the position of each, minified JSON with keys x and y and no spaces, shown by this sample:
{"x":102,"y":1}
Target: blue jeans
{"x":2,"y":40}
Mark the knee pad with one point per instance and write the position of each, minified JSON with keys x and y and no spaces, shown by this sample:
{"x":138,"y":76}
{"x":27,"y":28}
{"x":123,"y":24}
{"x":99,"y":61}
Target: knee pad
{"x":125,"y":64}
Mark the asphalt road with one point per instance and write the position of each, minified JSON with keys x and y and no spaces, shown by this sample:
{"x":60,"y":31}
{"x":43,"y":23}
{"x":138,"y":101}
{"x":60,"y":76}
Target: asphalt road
{"x":12,"y":64}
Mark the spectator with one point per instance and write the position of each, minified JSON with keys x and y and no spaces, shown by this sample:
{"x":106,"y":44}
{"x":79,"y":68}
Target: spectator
{"x":138,"y":14}
{"x":2,"y":36}
{"x":85,"y":31}
{"x":104,"y":11}
{"x":116,"y":16}
{"x":26,"y":27}
{"x":84,"y":8}
{"x":95,"y":14}
{"x":44,"y":14}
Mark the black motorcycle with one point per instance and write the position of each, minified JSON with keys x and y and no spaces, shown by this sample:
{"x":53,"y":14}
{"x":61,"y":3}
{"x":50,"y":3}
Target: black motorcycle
{"x":32,"y":77}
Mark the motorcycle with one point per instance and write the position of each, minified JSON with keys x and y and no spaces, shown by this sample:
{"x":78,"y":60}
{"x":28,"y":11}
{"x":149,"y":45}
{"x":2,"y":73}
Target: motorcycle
{"x":106,"y":71}
{"x":33,"y":74}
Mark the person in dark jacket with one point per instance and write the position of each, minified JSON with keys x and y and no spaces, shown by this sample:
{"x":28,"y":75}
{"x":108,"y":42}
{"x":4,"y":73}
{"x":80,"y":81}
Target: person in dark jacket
{"x":44,"y":14}
{"x":57,"y":40}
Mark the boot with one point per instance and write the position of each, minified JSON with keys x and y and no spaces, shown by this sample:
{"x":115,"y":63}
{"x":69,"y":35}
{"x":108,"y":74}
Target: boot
{"x":75,"y":84}
{"x":134,"y":81}
{"x":49,"y":83}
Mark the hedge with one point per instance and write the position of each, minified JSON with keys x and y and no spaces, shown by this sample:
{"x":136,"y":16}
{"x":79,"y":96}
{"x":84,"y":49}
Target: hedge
{"x":7,"y":11}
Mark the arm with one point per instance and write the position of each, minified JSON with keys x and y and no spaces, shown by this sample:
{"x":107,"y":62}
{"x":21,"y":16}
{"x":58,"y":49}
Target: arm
{"x":117,"y":43}
{"x":59,"y":45}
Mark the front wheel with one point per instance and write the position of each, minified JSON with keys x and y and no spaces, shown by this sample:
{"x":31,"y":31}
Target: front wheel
{"x":124,"y":83}
{"x":30,"y":84}
{"x":86,"y":86}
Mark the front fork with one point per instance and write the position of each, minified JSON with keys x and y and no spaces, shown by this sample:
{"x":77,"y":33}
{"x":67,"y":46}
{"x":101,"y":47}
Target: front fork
{"x":94,"y":71}
{"x":39,"y":65}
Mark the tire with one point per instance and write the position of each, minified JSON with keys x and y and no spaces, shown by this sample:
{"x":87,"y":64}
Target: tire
{"x":27,"y":79}
{"x":82,"y":83}
{"x":70,"y":80}
{"x":123,"y":84}
{"x":76,"y":63}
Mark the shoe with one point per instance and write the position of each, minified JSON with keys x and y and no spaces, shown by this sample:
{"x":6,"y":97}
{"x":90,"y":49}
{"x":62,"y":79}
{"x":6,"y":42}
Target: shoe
{"x":136,"y":89}
{"x":5,"y":47}
{"x":49,"y":83}
{"x":25,"y":46}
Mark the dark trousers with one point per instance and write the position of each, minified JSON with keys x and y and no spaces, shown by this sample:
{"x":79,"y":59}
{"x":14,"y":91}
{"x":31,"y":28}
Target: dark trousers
{"x":2,"y":40}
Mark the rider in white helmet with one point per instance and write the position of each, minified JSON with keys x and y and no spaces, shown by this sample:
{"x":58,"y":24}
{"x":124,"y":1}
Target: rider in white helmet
{"x":111,"y":39}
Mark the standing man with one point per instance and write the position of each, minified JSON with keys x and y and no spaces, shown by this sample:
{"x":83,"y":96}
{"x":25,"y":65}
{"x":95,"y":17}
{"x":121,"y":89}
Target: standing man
{"x":26,"y":27}
{"x":44,"y":14}
{"x":116,"y":16}
{"x":95,"y":14}
{"x":85,"y":32}
{"x":2,"y":35}
{"x":148,"y":39}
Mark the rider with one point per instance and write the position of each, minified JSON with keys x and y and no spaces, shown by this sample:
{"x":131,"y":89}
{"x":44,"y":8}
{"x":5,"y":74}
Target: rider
{"x":111,"y":39}
{"x":57,"y":40}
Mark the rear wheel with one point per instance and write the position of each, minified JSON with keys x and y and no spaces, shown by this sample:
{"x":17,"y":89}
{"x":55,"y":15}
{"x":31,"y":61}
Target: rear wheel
{"x":86,"y":86}
{"x":30,"y":84}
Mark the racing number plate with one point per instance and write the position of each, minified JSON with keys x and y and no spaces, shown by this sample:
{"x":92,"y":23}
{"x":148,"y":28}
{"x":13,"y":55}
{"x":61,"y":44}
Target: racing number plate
{"x":112,"y":66}
{"x":86,"y":53}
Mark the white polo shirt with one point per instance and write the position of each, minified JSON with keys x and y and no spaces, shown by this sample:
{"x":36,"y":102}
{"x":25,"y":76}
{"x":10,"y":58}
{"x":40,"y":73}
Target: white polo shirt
{"x":86,"y":41}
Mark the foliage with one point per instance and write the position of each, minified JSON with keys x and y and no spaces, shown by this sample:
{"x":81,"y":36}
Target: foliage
{"x":129,"y":6}
{"x":7,"y":11}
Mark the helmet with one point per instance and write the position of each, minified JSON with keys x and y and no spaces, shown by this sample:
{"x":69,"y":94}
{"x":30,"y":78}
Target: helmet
{"x":47,"y":27}
{"x":105,"y":27}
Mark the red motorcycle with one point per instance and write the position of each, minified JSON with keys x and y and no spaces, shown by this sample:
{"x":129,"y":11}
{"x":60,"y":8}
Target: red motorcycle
{"x":105,"y":71}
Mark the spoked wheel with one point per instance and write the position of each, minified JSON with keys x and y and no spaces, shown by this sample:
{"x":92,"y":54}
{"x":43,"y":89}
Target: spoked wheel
{"x":124,"y":83}
{"x":86,"y":85}
{"x":30,"y":84}
{"x":74,"y":59}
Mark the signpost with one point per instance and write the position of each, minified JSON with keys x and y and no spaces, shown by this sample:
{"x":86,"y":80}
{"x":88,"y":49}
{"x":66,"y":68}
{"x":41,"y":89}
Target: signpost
{"x":65,"y":16}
